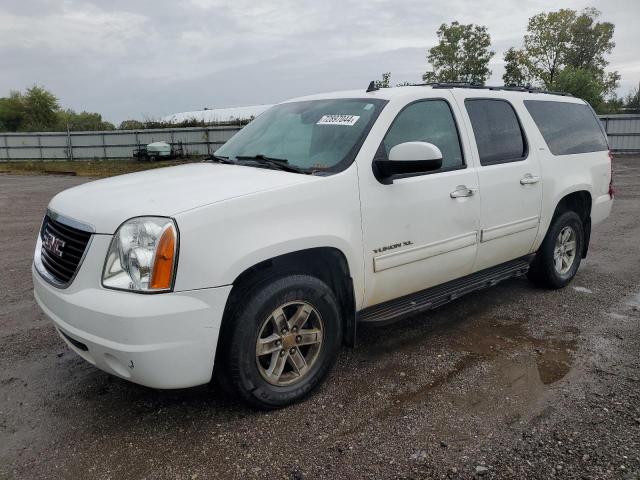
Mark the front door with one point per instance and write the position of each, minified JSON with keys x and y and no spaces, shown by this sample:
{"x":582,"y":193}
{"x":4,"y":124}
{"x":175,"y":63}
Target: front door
{"x":510,"y":182}
{"x":420,"y":231}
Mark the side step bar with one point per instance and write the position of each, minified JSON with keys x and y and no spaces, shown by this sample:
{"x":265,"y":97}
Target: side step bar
{"x":433,"y":297}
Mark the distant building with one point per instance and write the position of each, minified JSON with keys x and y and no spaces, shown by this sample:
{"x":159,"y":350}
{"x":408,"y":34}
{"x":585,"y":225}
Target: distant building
{"x":218,"y":114}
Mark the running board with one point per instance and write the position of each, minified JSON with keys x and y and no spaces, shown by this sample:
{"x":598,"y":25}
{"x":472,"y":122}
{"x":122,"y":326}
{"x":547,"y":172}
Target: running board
{"x":433,"y":297}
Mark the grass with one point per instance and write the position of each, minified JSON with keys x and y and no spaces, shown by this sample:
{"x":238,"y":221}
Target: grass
{"x":84,"y":168}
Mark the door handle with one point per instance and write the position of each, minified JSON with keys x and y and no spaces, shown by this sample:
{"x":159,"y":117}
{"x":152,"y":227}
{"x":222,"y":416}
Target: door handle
{"x":529,"y":179}
{"x":462,"y":191}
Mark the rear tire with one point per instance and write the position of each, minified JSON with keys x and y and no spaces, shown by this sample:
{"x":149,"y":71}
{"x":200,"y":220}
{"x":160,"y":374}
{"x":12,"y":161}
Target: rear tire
{"x":559,"y":256}
{"x":282,"y":341}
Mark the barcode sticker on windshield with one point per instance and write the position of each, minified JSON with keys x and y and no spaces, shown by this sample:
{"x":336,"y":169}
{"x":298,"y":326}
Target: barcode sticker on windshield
{"x":348,"y":120}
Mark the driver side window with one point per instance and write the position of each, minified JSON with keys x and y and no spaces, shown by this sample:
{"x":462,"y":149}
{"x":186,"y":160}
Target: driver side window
{"x":426,"y":121}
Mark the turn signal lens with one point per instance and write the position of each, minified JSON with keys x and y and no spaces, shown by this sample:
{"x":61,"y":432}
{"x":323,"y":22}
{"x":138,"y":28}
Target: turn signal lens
{"x":142,"y":255}
{"x":164,"y":260}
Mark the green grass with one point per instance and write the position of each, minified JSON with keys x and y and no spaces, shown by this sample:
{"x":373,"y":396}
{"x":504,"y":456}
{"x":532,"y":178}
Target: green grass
{"x":84,"y":168}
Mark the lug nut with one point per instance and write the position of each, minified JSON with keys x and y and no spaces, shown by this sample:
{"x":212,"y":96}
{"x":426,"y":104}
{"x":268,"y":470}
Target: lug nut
{"x":299,"y":338}
{"x":292,"y":351}
{"x":282,"y":353}
{"x":278,"y":343}
{"x":285,"y":331}
{"x":294,"y":329}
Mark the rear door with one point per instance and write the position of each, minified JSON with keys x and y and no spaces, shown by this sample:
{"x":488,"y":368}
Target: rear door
{"x":510,"y":181}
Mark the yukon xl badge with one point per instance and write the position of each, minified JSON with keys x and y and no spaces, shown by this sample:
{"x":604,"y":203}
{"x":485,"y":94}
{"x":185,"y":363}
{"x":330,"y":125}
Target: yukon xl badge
{"x":392,"y":247}
{"x":53,"y":244}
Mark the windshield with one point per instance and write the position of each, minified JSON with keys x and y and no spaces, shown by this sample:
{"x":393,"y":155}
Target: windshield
{"x":316,"y":135}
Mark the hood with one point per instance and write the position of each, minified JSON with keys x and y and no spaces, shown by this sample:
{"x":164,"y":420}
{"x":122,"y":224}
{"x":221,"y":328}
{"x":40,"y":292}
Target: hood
{"x":106,"y":203}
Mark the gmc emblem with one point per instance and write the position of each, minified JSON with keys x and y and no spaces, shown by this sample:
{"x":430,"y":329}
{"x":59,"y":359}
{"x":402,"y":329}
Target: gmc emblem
{"x":53,"y":244}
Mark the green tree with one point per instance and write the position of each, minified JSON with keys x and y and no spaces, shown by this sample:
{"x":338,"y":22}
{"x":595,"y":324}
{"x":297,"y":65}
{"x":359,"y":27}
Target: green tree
{"x":566,"y":51}
{"x":461,"y":55}
{"x":131,"y":125}
{"x":631,"y":103}
{"x":385,"y":82}
{"x":590,"y":41}
{"x":83,"y":121}
{"x":40,"y":109}
{"x":11,"y":112}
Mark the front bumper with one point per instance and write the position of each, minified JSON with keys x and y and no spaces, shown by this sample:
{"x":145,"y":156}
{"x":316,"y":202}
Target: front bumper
{"x":164,"y":340}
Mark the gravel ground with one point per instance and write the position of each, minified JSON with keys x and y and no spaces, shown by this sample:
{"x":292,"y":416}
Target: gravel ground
{"x":510,"y":382}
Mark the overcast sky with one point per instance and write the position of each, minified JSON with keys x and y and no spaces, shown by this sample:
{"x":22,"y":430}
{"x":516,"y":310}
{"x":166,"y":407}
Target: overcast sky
{"x":148,"y":58}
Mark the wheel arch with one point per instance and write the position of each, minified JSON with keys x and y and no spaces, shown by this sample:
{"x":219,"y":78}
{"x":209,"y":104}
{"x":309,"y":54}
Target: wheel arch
{"x":329,"y":264}
{"x":581,"y":202}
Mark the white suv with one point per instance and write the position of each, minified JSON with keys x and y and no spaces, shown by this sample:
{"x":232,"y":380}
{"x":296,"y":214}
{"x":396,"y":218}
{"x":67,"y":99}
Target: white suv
{"x":325,"y":211}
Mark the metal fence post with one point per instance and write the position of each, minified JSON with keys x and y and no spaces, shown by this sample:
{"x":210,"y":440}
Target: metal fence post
{"x":6,"y":146}
{"x":69,"y":144}
{"x":104,"y":145}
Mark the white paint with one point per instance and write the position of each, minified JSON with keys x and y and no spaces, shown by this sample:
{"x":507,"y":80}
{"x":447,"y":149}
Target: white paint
{"x":582,"y":289}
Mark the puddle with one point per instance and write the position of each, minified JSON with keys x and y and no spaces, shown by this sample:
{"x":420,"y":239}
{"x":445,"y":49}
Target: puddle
{"x":491,"y":367}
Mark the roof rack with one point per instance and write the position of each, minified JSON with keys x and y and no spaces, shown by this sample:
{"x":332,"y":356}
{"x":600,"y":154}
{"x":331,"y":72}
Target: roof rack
{"x":508,"y":88}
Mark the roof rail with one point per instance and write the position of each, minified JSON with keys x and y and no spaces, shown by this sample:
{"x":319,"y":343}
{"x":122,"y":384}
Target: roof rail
{"x":480,"y":86}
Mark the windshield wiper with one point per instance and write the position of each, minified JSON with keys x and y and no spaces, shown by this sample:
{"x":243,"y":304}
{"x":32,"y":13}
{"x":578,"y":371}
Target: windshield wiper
{"x":219,"y":159}
{"x":278,"y":163}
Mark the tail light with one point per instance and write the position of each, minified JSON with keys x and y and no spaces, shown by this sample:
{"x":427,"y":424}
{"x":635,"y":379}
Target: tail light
{"x":611,"y":189}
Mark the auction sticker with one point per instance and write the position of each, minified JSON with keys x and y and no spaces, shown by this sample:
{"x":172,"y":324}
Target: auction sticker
{"x":348,"y":120}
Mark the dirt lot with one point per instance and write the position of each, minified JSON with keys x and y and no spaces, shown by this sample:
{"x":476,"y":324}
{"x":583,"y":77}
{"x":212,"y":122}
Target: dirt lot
{"x":511,"y":382}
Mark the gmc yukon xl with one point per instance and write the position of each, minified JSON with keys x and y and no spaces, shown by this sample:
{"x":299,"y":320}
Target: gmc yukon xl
{"x":325,"y":211}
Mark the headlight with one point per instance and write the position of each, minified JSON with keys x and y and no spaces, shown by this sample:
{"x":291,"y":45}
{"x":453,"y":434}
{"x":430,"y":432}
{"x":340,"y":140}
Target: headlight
{"x":142,"y":255}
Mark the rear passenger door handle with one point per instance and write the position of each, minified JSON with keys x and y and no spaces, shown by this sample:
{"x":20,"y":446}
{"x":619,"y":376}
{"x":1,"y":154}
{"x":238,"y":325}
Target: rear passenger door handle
{"x":462,"y":191}
{"x":529,"y":179}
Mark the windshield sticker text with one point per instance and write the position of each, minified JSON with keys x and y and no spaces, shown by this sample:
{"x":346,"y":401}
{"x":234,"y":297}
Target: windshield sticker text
{"x":348,"y":120}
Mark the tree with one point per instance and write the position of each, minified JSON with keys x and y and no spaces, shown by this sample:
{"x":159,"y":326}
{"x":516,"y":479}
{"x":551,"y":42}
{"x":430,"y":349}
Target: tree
{"x":385,"y":82}
{"x":11,"y":112}
{"x":565,"y":50}
{"x":632,"y":101}
{"x":40,"y":109}
{"x":590,"y":41}
{"x":131,"y":125}
{"x":462,"y":54}
{"x":83,"y":121}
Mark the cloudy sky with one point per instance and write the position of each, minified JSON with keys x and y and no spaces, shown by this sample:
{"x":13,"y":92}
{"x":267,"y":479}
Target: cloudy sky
{"x":148,"y":58}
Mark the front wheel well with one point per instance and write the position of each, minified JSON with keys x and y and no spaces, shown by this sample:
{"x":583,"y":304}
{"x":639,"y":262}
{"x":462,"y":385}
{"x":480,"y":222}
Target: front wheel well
{"x":325,"y":263}
{"x":579,"y":202}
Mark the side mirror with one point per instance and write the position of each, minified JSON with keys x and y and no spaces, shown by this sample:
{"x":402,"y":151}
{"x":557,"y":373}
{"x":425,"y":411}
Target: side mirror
{"x":409,"y":157}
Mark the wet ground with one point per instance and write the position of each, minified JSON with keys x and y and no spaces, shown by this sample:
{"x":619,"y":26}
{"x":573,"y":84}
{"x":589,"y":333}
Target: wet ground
{"x":510,"y":382}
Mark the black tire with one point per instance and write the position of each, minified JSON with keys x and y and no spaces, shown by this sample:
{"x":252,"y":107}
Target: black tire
{"x":543,"y":271}
{"x":238,"y":362}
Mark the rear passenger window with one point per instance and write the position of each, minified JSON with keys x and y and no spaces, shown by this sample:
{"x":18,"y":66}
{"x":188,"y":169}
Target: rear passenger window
{"x":567,"y":128}
{"x":426,"y":121}
{"x":497,"y":131}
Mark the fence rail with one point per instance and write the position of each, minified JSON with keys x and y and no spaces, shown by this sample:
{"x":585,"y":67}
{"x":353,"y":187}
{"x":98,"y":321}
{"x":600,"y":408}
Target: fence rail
{"x":114,"y":144}
{"x":623,"y":132}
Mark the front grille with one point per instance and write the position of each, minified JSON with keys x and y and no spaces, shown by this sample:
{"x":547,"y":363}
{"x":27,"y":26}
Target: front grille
{"x":63,"y":248}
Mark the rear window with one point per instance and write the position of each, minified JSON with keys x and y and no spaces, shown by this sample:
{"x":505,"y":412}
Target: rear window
{"x":567,"y":128}
{"x":497,"y":131}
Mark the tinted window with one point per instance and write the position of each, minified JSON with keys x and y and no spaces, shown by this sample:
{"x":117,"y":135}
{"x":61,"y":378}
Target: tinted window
{"x":497,"y":131}
{"x":567,"y":127}
{"x":427,"y":121}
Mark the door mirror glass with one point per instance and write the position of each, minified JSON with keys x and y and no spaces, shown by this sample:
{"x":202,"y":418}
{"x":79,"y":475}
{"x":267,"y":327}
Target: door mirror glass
{"x":408,"y":158}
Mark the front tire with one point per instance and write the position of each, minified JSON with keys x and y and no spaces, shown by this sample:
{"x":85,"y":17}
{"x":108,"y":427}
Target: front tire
{"x":283,"y":340}
{"x":559,"y":256}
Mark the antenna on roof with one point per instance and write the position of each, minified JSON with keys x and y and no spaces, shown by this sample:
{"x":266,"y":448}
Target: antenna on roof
{"x":372,"y":87}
